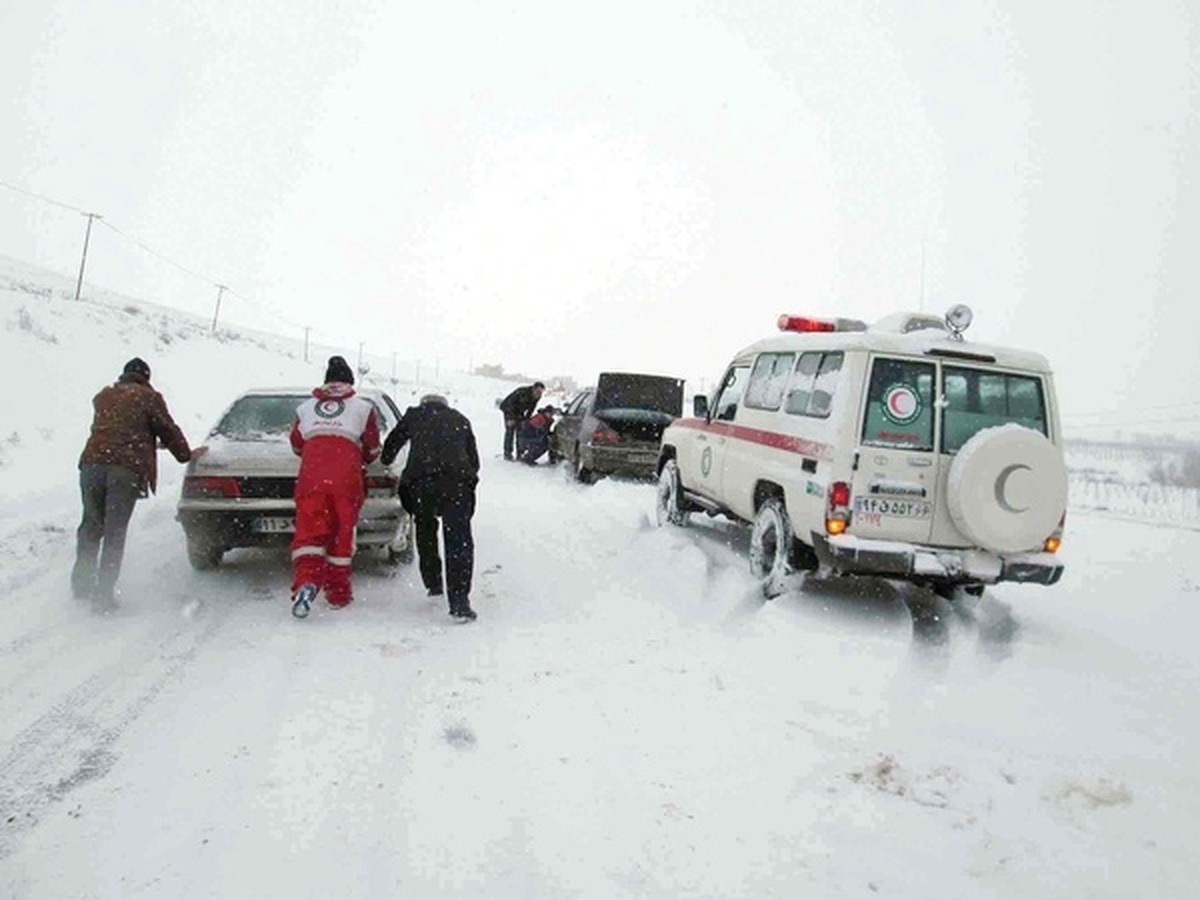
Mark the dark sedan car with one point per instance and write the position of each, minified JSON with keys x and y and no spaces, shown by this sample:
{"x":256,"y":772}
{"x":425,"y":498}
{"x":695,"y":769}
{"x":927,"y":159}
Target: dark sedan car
{"x":615,"y":428}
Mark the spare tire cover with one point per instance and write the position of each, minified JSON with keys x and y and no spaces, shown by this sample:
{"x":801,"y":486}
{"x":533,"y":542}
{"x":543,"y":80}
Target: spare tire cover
{"x":1007,"y":489}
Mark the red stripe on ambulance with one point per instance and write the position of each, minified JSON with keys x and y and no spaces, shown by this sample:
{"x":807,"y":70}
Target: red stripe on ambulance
{"x":774,"y":439}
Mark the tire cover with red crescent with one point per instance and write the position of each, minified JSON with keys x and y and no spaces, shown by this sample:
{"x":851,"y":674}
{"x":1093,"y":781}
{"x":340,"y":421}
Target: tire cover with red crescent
{"x":1007,"y":489}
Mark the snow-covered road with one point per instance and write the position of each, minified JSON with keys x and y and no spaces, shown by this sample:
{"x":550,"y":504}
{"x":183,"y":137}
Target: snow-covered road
{"x":628,"y":718}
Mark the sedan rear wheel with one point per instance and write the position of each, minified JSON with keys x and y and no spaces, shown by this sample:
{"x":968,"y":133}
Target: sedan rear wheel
{"x":203,"y":553}
{"x":400,"y":550}
{"x":770,"y":547}
{"x":582,"y":473}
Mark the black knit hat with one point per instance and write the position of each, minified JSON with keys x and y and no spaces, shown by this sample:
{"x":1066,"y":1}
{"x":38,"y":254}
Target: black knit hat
{"x":339,"y":370}
{"x":137,"y":366}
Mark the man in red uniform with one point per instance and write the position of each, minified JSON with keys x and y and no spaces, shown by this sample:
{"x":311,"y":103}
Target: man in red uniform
{"x":335,"y":434}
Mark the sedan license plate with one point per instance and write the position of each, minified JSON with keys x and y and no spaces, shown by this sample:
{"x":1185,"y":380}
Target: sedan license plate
{"x":905,"y":509}
{"x":273,"y":525}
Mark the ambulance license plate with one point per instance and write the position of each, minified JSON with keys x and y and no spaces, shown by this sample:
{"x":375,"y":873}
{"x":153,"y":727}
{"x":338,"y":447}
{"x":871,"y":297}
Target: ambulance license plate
{"x":885,"y":506}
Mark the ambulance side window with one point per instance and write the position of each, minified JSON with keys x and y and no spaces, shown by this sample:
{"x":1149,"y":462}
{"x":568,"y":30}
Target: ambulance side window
{"x":813,"y":386}
{"x":730,"y":395}
{"x":768,"y":379}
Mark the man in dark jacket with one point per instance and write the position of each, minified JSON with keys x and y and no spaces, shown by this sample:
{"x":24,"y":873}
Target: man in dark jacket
{"x":118,"y":465}
{"x":517,"y":407}
{"x":439,"y":482}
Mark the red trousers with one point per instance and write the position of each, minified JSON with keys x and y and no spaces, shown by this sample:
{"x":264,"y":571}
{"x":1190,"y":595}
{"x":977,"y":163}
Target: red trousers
{"x":323,"y":546}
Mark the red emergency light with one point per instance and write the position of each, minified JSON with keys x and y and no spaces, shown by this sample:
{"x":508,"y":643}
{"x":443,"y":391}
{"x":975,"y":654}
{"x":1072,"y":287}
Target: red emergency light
{"x":805,"y":324}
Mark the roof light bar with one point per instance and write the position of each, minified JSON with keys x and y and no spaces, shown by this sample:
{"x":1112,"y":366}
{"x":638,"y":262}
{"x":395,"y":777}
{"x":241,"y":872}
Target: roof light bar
{"x":809,"y":324}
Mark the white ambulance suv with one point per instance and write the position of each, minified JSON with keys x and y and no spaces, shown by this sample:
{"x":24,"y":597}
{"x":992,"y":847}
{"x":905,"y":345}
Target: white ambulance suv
{"x":898,"y":450}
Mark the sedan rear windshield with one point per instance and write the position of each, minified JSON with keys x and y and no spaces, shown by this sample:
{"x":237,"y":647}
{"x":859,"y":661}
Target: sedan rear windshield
{"x":976,"y":399}
{"x":260,"y":416}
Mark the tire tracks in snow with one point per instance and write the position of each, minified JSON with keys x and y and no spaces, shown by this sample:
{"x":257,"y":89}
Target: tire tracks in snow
{"x":75,"y":741}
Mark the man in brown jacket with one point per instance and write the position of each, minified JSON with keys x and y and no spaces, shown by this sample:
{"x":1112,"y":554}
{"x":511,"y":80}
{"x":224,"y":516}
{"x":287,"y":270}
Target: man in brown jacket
{"x":119,"y":465}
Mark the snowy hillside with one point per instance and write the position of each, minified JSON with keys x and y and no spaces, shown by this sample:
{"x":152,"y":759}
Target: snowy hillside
{"x":60,"y":352}
{"x":628,"y":718}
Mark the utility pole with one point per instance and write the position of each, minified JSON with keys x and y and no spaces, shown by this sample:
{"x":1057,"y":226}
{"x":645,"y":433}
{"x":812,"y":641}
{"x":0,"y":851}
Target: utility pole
{"x":87,"y":236}
{"x":360,"y":346}
{"x":307,"y":329}
{"x":393,"y":370}
{"x":221,"y":289}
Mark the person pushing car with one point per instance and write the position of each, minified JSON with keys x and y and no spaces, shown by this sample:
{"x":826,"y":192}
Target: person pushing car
{"x":335,"y":434}
{"x":117,"y":467}
{"x":439,"y":482}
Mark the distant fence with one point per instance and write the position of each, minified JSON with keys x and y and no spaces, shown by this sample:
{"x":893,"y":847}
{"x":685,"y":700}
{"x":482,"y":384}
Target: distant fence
{"x":1147,"y":481}
{"x":1141,"y":500}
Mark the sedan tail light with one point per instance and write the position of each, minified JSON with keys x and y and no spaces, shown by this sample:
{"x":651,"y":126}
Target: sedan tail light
{"x":603,"y":434}
{"x":199,"y":486}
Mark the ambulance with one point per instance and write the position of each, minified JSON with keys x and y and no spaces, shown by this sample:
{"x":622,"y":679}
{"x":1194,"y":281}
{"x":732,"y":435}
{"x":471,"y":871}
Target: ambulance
{"x":897,"y":450}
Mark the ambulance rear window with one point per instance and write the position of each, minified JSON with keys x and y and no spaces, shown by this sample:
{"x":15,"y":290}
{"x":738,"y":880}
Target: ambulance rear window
{"x":977,"y":399}
{"x":900,"y":405}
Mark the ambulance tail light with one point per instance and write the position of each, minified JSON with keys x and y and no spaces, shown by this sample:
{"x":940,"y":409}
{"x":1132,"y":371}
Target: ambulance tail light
{"x":1055,"y":540}
{"x":837,"y":511}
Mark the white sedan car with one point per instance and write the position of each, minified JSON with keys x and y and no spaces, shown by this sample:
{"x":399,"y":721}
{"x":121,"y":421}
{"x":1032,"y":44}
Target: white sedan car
{"x":240,"y":491}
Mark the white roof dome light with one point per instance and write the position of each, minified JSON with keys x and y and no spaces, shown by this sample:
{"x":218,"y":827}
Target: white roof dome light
{"x":958,"y":319}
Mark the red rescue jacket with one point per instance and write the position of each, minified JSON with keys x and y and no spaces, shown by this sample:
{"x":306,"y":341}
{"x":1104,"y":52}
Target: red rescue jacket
{"x":335,"y":434}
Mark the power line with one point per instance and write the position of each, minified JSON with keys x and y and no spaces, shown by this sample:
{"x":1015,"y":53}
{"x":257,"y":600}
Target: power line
{"x":156,"y":254}
{"x":221,"y":288}
{"x":267,"y":307}
{"x":148,"y":249}
{"x":13,"y":187}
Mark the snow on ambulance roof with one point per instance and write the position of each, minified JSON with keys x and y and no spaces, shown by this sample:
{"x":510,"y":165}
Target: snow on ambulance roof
{"x":902,"y":333}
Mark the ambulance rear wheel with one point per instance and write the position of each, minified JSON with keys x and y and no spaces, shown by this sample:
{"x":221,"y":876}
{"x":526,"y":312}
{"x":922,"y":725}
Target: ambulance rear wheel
{"x":770,"y":547}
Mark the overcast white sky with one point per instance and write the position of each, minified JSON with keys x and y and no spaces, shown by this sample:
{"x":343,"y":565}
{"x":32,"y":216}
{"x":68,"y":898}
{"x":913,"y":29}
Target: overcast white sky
{"x":566,"y":188}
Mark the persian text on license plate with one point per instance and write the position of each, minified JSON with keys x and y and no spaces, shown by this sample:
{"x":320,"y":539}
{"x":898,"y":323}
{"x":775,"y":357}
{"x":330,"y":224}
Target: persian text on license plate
{"x":274,"y":525}
{"x":884,"y":506}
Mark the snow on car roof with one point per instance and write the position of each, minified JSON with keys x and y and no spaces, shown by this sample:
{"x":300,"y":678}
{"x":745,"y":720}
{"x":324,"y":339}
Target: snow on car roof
{"x":303,"y":391}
